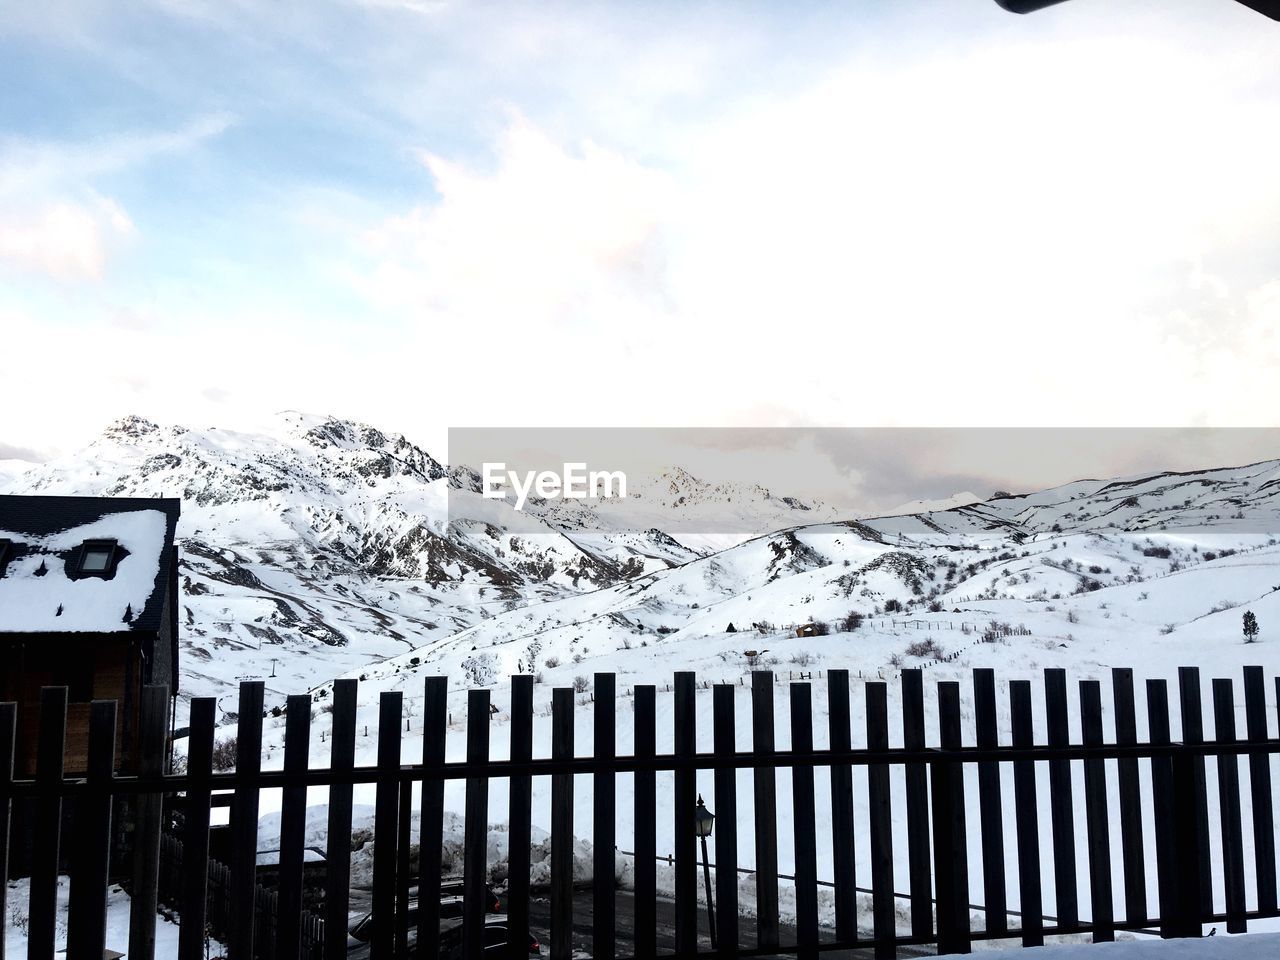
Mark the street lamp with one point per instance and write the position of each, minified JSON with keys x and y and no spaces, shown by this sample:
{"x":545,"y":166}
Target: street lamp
{"x":703,"y":821}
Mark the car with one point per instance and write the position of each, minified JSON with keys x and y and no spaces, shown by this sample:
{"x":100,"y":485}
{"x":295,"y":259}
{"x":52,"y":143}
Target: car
{"x":450,"y":943}
{"x":361,"y":931}
{"x":495,"y":941}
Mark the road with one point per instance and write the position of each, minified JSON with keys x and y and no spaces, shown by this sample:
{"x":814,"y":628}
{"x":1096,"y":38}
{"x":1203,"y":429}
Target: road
{"x":540,"y":919}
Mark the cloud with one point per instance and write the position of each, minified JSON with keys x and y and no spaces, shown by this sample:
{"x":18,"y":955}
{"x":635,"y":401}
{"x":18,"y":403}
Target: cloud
{"x":52,"y":219}
{"x":64,"y":239}
{"x":553,"y":234}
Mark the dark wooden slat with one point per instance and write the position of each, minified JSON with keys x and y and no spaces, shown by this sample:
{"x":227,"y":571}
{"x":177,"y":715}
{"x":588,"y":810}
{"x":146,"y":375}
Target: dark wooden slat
{"x":765,"y":783}
{"x":1193,"y":733}
{"x":686,"y":792}
{"x":950,"y":846}
{"x":726,"y":832}
{"x":43,"y":904}
{"x":1060,"y":803}
{"x":919,"y":853}
{"x":293,"y":827}
{"x":880,"y":813}
{"x":1162,"y":804}
{"x":475,"y":863}
{"x":404,"y":837}
{"x":1224,"y":716}
{"x":153,"y":727}
{"x":1264,"y":839}
{"x":520,"y":816}
{"x":1131,"y":840}
{"x":562,"y":826}
{"x":990,"y":804}
{"x":87,"y":909}
{"x":435,"y":715}
{"x":1026,"y":816}
{"x":386,"y":813}
{"x":842,"y":826}
{"x":1097,"y":823}
{"x":195,"y":835}
{"x":803,"y":814}
{"x":1188,"y":910}
{"x":244,"y":822}
{"x":342,"y":756}
{"x":646,"y":843}
{"x":604,"y":820}
{"x":8,"y":744}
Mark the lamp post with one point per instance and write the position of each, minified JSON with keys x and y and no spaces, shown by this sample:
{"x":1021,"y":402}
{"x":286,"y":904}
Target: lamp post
{"x":703,"y":821}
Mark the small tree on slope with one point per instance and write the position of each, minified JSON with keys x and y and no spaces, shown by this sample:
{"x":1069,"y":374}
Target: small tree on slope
{"x":1250,"y":626}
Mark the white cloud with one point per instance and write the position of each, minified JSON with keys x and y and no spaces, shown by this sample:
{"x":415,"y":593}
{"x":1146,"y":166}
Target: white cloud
{"x":552,"y":235}
{"x":999,"y":216}
{"x":64,"y":239}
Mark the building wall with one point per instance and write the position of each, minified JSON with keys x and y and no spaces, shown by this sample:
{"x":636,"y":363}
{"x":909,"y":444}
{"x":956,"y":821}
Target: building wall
{"x":91,"y":666}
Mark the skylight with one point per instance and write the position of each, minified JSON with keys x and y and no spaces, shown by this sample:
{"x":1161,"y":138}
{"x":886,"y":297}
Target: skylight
{"x":97,"y":557}
{"x":6,"y":547}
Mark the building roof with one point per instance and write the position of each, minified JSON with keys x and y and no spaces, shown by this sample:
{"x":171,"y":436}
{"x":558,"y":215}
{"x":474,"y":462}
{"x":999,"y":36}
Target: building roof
{"x":39,"y":592}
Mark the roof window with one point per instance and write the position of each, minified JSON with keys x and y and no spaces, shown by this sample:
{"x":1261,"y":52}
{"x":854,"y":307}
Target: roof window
{"x":97,"y":558}
{"x":6,"y":551}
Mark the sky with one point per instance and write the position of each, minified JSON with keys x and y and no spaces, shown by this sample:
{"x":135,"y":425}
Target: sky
{"x":428,"y":215}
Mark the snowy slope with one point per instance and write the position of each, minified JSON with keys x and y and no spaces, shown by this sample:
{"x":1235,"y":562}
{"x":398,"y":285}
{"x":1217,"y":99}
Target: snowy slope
{"x":321,"y":545}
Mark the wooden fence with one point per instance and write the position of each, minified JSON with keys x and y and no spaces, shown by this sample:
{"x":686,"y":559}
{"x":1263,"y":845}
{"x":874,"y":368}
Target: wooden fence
{"x":935,"y":800}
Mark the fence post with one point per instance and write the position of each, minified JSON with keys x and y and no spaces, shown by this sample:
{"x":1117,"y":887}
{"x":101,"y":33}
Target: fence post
{"x":604,"y":818}
{"x":475,"y":859}
{"x":1224,"y":716}
{"x":765,"y":783}
{"x":195,"y":840}
{"x":342,"y":756}
{"x":1097,"y":815}
{"x":50,"y":751}
{"x":805,"y":835}
{"x":293,"y":826}
{"x":645,"y":826}
{"x":519,"y":819}
{"x":1027,"y":817}
{"x":1162,"y":803}
{"x":1135,"y":879}
{"x":842,"y":825}
{"x":386,"y":817}
{"x":1193,"y":735}
{"x":726,"y":786}
{"x":989,"y":803}
{"x":1264,"y":841}
{"x":435,"y":702}
{"x":562,"y":826}
{"x":8,"y":741}
{"x":244,"y":823}
{"x":152,"y":727}
{"x":916,"y":775}
{"x":1060,"y":804}
{"x":87,"y":910}
{"x":1188,"y":893}
{"x":951,"y":854}
{"x":685,"y":839}
{"x":880,"y":814}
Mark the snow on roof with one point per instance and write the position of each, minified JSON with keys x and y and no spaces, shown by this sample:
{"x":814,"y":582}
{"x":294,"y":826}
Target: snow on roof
{"x":30,"y":601}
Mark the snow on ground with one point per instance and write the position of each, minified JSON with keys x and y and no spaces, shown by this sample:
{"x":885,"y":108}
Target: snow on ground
{"x":117,"y":939}
{"x":1219,"y":947}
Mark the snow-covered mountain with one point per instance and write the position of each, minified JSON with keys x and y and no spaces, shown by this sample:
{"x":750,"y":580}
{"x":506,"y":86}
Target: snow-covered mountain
{"x":321,"y":545}
{"x":320,"y":548}
{"x":1144,"y":569}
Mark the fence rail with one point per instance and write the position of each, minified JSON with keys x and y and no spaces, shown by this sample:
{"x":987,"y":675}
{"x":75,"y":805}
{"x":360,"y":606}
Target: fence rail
{"x":934,"y":795}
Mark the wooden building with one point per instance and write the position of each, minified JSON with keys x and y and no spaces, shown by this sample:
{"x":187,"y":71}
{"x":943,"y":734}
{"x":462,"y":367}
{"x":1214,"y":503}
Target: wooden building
{"x":89,"y":601}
